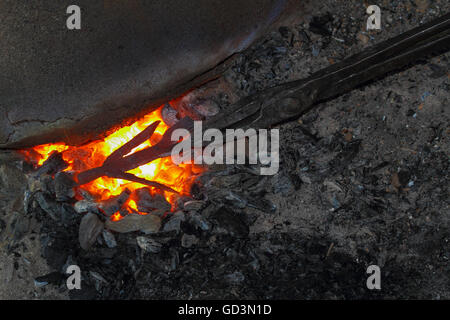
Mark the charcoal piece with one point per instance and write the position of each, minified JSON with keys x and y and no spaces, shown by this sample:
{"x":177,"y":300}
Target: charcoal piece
{"x":83,"y":206}
{"x":195,"y":205}
{"x":199,"y":222}
{"x":125,"y":211}
{"x":28,"y":200}
{"x":21,"y":227}
{"x":264,"y":205}
{"x":40,"y":284}
{"x":152,"y":222}
{"x":206,"y":108}
{"x":196,"y":109}
{"x":229,"y":181}
{"x":169,"y":115}
{"x":320,"y":25}
{"x":64,"y":186}
{"x":181,"y":201}
{"x":52,"y":278}
{"x":174,"y":222}
{"x":56,"y":250}
{"x":196,"y":192}
{"x":47,"y":184}
{"x":143,"y":193}
{"x":90,"y":229}
{"x":148,"y":203}
{"x":49,"y":205}
{"x":148,"y":245}
{"x":43,"y":183}
{"x":109,"y":238}
{"x":68,"y":214}
{"x":235,"y":278}
{"x":231,"y":221}
{"x":2,"y":226}
{"x":282,"y":183}
{"x":174,"y":260}
{"x":86,"y":195}
{"x":97,"y":277}
{"x":114,"y":204}
{"x":98,"y":280}
{"x":235,"y":200}
{"x":149,"y":223}
{"x":55,"y":163}
{"x":188,"y":240}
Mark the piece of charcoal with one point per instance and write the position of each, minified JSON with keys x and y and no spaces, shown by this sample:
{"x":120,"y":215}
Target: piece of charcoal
{"x":64,"y":186}
{"x":264,"y":205}
{"x":320,"y":25}
{"x":235,"y":200}
{"x":195,"y":205}
{"x":169,"y":115}
{"x":148,"y":223}
{"x":2,"y":226}
{"x":196,"y":192}
{"x":109,"y":238}
{"x":231,"y":221}
{"x":181,"y":200}
{"x":52,"y":278}
{"x":188,"y":240}
{"x":114,"y":204}
{"x":199,"y":222}
{"x":86,"y":195}
{"x":148,"y":203}
{"x":148,"y":245}
{"x":83,"y":206}
{"x":174,"y":222}
{"x":90,"y":229}
{"x":43,"y":183}
{"x":49,"y":205}
{"x":206,"y":108}
{"x":97,"y":277}
{"x":55,"y":163}
{"x":234,"y":278}
{"x":196,"y":109}
{"x":68,"y":214}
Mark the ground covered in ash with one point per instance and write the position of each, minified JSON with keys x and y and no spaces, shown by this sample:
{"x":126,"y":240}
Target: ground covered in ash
{"x":363,"y":180}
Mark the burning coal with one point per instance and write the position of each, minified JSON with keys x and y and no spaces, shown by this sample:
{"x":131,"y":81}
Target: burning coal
{"x":163,"y":171}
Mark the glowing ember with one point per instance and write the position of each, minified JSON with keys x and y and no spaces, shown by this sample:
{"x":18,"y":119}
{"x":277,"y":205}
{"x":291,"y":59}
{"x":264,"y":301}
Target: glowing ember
{"x":163,"y":170}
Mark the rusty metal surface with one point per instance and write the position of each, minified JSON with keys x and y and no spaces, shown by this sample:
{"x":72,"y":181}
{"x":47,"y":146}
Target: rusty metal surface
{"x":58,"y":84}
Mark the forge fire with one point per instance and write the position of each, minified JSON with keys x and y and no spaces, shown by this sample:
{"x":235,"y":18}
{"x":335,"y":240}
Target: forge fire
{"x":224,"y":150}
{"x":179,"y":177}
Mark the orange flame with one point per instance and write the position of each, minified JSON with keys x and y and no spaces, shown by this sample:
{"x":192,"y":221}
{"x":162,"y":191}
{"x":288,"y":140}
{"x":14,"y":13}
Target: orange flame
{"x":163,"y":170}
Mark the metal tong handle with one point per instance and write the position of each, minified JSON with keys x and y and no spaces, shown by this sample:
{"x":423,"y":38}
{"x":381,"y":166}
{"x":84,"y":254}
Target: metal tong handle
{"x":290,"y":100}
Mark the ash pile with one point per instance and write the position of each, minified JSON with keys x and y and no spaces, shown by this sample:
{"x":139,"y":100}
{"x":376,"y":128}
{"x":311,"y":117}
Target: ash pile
{"x":113,"y":254}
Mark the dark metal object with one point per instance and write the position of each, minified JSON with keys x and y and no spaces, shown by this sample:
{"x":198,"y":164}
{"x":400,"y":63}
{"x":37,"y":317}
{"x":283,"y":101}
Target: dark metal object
{"x":118,"y":163}
{"x":290,"y":100}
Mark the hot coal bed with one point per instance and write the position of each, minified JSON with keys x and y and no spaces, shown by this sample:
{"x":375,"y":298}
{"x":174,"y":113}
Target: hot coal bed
{"x":363,"y":180}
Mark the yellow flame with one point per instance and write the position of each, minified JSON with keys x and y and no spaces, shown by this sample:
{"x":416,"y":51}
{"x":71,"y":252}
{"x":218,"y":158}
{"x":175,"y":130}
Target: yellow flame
{"x":92,"y":155}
